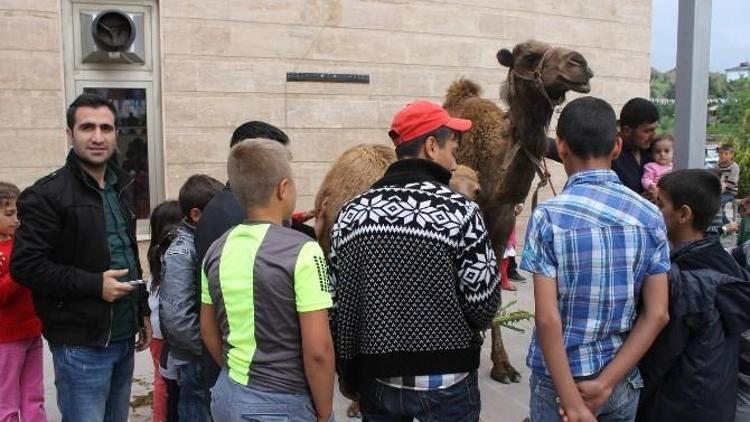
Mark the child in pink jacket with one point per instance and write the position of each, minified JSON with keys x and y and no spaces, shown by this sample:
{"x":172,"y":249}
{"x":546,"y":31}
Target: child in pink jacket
{"x":662,"y":151}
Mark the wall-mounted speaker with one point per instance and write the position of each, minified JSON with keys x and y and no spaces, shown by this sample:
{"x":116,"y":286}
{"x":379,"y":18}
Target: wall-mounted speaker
{"x":112,"y":36}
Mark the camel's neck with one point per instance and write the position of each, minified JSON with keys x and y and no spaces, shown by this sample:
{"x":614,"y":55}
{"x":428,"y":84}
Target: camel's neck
{"x":530,"y":114}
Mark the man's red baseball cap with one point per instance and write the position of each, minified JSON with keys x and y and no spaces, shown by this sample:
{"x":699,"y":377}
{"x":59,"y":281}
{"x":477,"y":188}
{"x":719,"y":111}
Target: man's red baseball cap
{"x":422,"y":117}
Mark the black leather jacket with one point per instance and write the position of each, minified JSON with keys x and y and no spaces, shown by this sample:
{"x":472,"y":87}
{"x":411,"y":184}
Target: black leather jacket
{"x":61,"y":251}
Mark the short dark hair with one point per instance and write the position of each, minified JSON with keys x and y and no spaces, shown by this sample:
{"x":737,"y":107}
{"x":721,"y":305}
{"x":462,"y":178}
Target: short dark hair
{"x":88,"y":100}
{"x":698,"y":189}
{"x":255,"y":130}
{"x":197,"y":190}
{"x":8,"y":192}
{"x":589,"y":127}
{"x":411,"y":148}
{"x":726,"y":147}
{"x":255,"y":167}
{"x":638,"y":111}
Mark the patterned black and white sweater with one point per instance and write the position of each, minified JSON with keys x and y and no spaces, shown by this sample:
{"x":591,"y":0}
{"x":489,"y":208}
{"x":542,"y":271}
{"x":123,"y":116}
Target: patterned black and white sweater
{"x":415,"y":277}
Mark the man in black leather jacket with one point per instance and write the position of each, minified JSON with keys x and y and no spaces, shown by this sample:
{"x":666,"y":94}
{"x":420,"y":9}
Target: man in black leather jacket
{"x":75,"y":250}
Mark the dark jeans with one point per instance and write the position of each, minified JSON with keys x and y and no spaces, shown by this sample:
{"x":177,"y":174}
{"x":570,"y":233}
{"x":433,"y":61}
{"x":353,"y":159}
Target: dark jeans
{"x":173,"y":400}
{"x":93,"y":383}
{"x":195,"y":401}
{"x":457,"y":403}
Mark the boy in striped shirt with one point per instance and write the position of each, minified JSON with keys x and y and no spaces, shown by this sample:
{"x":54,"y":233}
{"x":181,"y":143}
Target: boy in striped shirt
{"x":264,"y":317}
{"x":593,"y":249}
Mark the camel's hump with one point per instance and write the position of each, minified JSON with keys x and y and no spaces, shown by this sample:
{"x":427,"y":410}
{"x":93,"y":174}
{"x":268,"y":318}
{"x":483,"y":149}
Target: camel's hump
{"x":459,"y":91}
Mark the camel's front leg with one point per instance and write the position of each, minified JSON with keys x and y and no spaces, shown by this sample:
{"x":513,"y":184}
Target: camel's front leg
{"x":502,"y":370}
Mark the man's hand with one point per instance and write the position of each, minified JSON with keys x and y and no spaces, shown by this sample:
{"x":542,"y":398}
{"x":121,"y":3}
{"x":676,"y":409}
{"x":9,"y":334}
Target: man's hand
{"x":113,"y":289}
{"x":144,"y":335}
{"x":594,"y":393}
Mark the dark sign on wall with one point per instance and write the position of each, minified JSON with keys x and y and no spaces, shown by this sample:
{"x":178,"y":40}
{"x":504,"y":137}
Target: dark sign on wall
{"x":351,"y":78}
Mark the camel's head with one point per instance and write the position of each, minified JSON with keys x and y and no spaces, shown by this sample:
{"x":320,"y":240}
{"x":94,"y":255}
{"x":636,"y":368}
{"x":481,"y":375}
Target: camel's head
{"x":558,"y":69}
{"x":466,"y":182}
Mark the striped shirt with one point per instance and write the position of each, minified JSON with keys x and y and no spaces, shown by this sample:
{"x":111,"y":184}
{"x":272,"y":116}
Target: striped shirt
{"x":259,"y":277}
{"x":598,"y":240}
{"x":425,"y":382}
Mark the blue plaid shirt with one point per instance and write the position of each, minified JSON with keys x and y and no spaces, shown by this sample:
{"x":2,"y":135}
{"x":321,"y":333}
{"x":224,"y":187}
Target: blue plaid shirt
{"x":598,"y":240}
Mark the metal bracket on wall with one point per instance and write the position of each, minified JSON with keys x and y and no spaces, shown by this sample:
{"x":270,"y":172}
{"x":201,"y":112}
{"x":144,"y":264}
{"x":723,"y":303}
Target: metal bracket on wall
{"x":350,"y":78}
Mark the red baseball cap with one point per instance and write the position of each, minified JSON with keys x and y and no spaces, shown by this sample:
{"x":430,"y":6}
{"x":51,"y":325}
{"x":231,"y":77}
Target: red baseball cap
{"x":422,"y":117}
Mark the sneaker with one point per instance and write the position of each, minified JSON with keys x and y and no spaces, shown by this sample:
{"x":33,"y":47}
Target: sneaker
{"x":516,"y":276}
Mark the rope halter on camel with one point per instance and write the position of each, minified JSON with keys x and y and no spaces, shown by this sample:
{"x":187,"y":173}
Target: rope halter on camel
{"x":536,"y":78}
{"x":540,"y":165}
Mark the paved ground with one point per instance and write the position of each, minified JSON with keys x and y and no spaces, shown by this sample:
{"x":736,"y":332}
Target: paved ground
{"x":500,"y":403}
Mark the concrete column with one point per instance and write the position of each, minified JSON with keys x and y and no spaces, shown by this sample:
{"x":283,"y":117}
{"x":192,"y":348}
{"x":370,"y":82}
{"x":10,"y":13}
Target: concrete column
{"x":693,"y":46}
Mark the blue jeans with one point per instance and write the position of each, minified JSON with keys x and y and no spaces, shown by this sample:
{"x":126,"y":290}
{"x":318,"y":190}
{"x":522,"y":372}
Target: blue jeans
{"x":457,"y":403}
{"x":195,"y":400}
{"x":234,"y":402}
{"x":93,"y":383}
{"x":620,"y":407}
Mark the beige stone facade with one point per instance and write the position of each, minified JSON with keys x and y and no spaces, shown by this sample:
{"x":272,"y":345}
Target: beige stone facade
{"x":224,"y":62}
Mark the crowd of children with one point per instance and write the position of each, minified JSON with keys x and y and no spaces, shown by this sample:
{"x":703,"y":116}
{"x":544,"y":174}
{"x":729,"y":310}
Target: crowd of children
{"x":640,"y":311}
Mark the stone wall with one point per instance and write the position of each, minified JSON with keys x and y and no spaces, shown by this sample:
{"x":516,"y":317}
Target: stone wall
{"x":225,"y":65}
{"x":32,"y":100}
{"x":225,"y":62}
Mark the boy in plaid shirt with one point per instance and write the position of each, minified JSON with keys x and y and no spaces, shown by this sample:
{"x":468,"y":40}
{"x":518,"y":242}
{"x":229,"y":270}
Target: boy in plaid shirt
{"x":592,"y":250}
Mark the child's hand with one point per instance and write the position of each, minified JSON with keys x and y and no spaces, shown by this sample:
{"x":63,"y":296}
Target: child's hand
{"x":594,"y":393}
{"x":731,"y":227}
{"x":303,"y":216}
{"x":577,"y":414}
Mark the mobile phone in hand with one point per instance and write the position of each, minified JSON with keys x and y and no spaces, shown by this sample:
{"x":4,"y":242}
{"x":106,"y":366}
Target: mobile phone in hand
{"x":136,"y":282}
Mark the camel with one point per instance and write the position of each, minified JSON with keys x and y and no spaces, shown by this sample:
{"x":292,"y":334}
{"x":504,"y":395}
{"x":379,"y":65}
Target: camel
{"x":465,"y":181}
{"x":507,"y":148}
{"x":350,"y":175}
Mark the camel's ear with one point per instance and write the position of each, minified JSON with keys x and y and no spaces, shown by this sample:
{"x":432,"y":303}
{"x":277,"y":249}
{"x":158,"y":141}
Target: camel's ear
{"x":505,"y":57}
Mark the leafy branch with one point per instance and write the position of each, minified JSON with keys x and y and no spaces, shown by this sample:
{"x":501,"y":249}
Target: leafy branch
{"x":511,"y":319}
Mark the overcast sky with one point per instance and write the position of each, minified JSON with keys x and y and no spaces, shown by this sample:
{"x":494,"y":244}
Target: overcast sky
{"x":730,"y":33}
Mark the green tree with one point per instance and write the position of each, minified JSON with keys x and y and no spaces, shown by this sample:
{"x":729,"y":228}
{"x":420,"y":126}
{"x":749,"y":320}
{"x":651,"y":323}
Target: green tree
{"x":732,"y":125}
{"x":666,"y":118}
{"x":718,"y":86}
